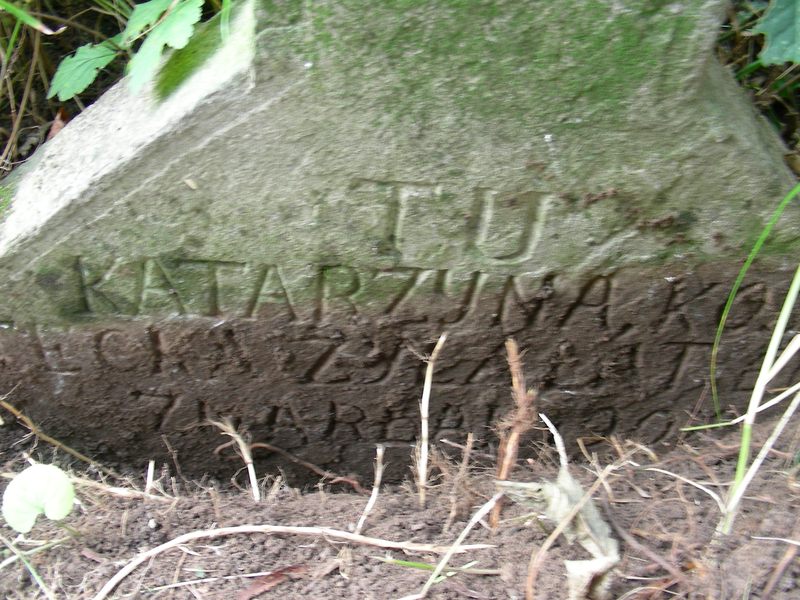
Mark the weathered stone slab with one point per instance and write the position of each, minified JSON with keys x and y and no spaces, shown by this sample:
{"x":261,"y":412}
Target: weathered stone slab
{"x":278,"y":238}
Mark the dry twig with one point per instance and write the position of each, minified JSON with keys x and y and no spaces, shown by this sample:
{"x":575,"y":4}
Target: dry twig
{"x":537,"y":557}
{"x":122,"y":492}
{"x":482,"y":512}
{"x":777,"y":573}
{"x":515,"y":425}
{"x":266,"y":582}
{"x":422,"y":445}
{"x":227,"y":428}
{"x":375,"y":487}
{"x":43,"y":436}
{"x":633,"y":544}
{"x":456,"y":492}
{"x":324,"y":532}
{"x":331,"y":477}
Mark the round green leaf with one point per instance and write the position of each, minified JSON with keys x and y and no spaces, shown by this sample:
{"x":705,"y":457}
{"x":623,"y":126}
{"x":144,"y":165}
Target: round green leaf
{"x":39,"y":489}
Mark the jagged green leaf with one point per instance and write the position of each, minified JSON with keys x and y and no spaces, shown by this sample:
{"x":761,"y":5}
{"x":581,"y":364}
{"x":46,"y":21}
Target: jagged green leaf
{"x":174,"y":30}
{"x":75,"y":73}
{"x":143,"y":16}
{"x":39,"y":489}
{"x":780,"y":25}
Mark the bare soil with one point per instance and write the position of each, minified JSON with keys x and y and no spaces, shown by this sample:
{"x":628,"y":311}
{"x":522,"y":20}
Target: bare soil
{"x":667,"y":521}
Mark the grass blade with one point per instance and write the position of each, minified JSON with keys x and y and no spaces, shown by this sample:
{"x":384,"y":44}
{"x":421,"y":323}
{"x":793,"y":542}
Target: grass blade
{"x":735,"y":289}
{"x":24,"y":17}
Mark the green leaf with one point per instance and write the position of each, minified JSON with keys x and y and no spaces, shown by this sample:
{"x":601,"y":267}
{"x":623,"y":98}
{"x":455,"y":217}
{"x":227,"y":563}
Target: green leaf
{"x":174,"y":30}
{"x":225,"y":20}
{"x":206,"y":41}
{"x":143,"y":16}
{"x":75,"y":73}
{"x":39,"y":489}
{"x":24,"y":17}
{"x":780,"y":25}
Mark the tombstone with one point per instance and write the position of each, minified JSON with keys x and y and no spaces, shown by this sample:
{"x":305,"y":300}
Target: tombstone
{"x":279,"y":237}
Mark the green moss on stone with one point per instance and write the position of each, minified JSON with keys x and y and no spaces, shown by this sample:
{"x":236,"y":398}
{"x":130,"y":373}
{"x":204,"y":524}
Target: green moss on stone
{"x":6,"y":194}
{"x":492,"y":57}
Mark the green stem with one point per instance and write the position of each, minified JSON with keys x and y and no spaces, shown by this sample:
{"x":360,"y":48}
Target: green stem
{"x":741,"y":480}
{"x":735,"y":289}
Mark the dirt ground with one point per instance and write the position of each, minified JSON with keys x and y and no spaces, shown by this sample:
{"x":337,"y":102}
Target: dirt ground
{"x":664,"y":523}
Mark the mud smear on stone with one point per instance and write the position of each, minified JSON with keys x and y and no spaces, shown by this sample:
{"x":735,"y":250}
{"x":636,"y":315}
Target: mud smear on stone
{"x":623,"y":354}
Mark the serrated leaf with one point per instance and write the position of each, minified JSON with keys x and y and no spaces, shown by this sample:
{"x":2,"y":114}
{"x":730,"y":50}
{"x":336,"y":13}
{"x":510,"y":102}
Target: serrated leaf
{"x":780,"y":25}
{"x":143,"y":16}
{"x":39,"y":489}
{"x":25,"y":17}
{"x":204,"y":45}
{"x":75,"y":73}
{"x":174,"y":30}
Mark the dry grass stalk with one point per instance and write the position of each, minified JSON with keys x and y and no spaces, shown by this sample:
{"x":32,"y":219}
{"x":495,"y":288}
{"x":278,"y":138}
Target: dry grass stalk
{"x":422,"y":446}
{"x":633,"y":544}
{"x":10,"y":560}
{"x":31,"y":569}
{"x":330,"y":477}
{"x":515,"y":425}
{"x":457,"y":492}
{"x":13,"y":137}
{"x":179,"y":584}
{"x":124,"y":492}
{"x":714,"y":496}
{"x":43,"y":436}
{"x":227,"y":428}
{"x":783,"y":564}
{"x":538,"y":555}
{"x":373,"y":498}
{"x":151,"y":469}
{"x":564,"y":502}
{"x":323,"y":532}
{"x":480,"y":514}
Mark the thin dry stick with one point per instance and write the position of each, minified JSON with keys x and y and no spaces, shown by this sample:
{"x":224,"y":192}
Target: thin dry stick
{"x":424,"y":566}
{"x":151,"y":469}
{"x":13,"y":136}
{"x":43,"y":436}
{"x":634,"y":544}
{"x":375,"y":487}
{"x":777,"y":573}
{"x":422,"y":448}
{"x":121,"y":491}
{"x":537,"y":556}
{"x":31,"y":569}
{"x":332,"y":477}
{"x":776,"y":539}
{"x":458,"y":480}
{"x":514,"y":426}
{"x":715,"y":497}
{"x":176,"y":575}
{"x":15,"y":557}
{"x":227,"y":428}
{"x":324,"y":532}
{"x":482,"y":512}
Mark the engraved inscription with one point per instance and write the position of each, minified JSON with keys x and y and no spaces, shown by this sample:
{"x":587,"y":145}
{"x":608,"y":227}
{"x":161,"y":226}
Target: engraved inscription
{"x":507,"y":227}
{"x":342,"y":367}
{"x":115,"y":288}
{"x":418,"y":222}
{"x":410,"y":227}
{"x":211,"y":288}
